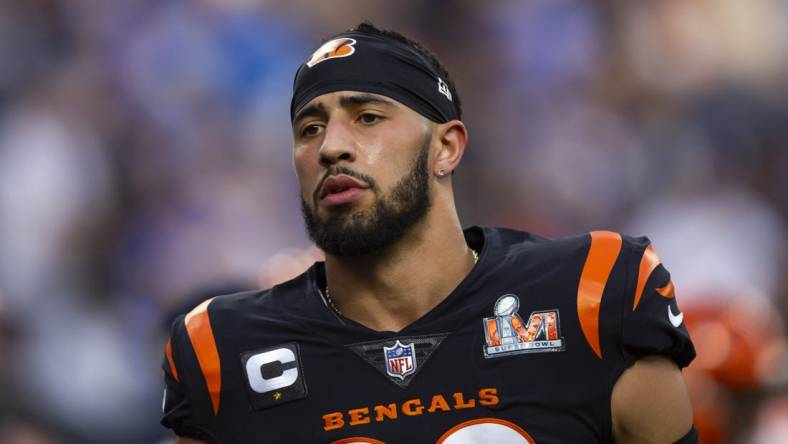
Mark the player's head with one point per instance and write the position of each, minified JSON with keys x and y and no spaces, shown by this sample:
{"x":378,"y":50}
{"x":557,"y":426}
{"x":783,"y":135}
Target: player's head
{"x":376,"y":125}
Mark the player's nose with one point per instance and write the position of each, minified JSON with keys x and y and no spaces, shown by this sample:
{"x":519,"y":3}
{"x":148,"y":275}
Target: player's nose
{"x":337,"y":144}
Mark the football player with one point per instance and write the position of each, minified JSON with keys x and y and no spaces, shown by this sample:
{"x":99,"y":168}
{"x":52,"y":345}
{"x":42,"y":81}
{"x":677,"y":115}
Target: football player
{"x":414,"y":330}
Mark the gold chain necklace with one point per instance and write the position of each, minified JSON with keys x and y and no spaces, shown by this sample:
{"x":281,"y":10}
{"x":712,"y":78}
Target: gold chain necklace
{"x":336,"y":309}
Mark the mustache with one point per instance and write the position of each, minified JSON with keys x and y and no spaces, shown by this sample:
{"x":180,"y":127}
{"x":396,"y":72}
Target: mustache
{"x":337,"y":170}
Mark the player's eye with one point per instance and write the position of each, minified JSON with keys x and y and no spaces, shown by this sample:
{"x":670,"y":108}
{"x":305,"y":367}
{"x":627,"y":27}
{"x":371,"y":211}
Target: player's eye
{"x":369,"y":118}
{"x":311,"y":130}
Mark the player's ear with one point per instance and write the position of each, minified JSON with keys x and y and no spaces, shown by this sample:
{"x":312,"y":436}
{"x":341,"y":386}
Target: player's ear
{"x":452,"y":136}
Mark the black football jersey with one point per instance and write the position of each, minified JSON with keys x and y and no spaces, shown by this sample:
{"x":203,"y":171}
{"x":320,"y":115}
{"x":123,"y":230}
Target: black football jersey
{"x":526,"y":349}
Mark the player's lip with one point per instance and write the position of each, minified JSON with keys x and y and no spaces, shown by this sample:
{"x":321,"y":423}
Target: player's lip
{"x":339,"y":183}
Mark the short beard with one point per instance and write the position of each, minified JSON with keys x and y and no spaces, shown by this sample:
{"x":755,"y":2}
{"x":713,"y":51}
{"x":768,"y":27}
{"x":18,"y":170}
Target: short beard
{"x":371,"y":231}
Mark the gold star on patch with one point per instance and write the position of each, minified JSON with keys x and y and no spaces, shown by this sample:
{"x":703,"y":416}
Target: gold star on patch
{"x":277,"y":396}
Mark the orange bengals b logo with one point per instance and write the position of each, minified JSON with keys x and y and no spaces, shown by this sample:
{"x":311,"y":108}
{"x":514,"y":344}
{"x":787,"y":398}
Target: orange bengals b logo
{"x":341,"y":47}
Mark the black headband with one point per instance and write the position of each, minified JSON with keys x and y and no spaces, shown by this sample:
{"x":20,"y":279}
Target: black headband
{"x":363,"y":62}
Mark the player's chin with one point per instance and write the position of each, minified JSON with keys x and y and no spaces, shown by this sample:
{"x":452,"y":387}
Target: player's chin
{"x":334,"y":212}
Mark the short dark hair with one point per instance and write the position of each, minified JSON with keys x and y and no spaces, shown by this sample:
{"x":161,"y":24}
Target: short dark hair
{"x":367,"y":27}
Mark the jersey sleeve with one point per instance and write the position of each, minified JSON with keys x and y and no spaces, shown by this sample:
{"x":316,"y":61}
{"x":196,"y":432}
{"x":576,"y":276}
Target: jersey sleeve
{"x":652,"y":322}
{"x":177,"y":407}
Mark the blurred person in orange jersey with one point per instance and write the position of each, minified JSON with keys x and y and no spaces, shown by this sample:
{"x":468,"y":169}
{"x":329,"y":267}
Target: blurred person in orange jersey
{"x":744,"y":338}
{"x":742,"y":360}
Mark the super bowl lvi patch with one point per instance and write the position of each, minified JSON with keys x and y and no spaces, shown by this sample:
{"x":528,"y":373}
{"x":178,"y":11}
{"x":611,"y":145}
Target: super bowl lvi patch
{"x":507,"y":334}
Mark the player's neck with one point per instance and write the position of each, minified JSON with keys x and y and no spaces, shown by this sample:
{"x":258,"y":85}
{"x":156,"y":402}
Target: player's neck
{"x":389,"y":291}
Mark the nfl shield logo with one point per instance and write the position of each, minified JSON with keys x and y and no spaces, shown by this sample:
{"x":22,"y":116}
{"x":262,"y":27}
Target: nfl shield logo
{"x":400,"y":360}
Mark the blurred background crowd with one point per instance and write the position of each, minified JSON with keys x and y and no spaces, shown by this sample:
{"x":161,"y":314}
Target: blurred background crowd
{"x":145,"y":160}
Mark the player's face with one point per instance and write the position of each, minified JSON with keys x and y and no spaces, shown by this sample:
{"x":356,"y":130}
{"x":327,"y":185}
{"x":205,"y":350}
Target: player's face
{"x":362,"y":161}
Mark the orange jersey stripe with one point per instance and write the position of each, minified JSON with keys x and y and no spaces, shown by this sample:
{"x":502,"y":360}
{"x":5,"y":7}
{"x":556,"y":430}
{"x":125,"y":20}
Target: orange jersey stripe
{"x":198,"y":325}
{"x":605,"y":247}
{"x":168,"y":354}
{"x":668,"y":291}
{"x":648,"y":263}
